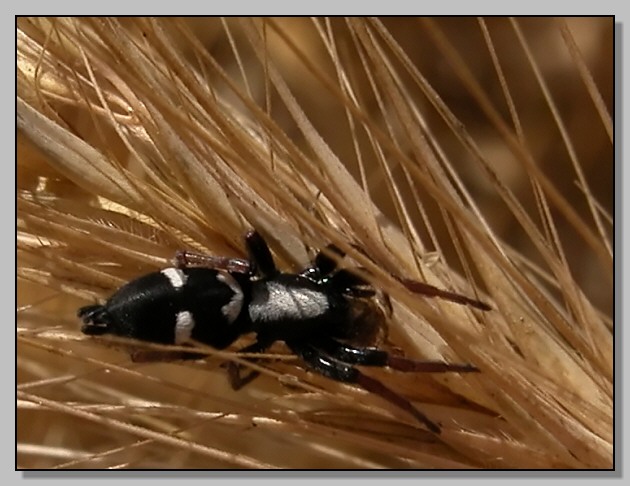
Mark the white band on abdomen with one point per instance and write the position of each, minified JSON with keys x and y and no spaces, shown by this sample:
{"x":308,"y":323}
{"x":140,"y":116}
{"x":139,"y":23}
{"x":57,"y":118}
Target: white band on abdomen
{"x":232,"y":309}
{"x":175,"y":276}
{"x":184,"y":324}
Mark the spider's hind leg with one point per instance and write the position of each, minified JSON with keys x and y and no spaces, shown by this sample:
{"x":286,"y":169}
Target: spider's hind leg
{"x":95,"y":319}
{"x":188,"y":259}
{"x":260,"y":259}
{"x":237,"y":381}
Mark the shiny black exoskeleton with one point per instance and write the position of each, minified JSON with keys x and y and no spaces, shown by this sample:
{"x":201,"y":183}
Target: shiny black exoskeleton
{"x":215,"y":300}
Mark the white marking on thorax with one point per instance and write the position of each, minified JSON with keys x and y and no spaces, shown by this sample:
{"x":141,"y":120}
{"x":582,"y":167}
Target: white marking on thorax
{"x":184,"y":324}
{"x":232,"y":309}
{"x":175,"y":276}
{"x":280,"y":302}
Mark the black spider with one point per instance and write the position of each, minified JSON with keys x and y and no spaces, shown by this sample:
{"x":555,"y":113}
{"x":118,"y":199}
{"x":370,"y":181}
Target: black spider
{"x":317,"y":313}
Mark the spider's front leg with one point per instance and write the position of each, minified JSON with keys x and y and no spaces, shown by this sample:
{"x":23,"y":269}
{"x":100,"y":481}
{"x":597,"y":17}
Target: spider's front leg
{"x":346,"y":373}
{"x":377,"y":357}
{"x":431,"y":291}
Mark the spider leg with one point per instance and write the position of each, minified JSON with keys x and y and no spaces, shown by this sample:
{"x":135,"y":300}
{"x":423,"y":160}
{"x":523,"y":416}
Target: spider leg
{"x":431,"y":291}
{"x":234,"y":369}
{"x":260,"y":255}
{"x":95,"y":320}
{"x":260,"y":261}
{"x":352,"y":283}
{"x":186,"y":259}
{"x":323,"y":264}
{"x":153,"y":356}
{"x":346,"y":373}
{"x":323,"y":261}
{"x":377,"y":357}
{"x":344,"y":280}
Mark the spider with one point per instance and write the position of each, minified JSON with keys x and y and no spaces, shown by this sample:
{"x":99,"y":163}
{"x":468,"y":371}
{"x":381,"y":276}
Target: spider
{"x":322,"y":314}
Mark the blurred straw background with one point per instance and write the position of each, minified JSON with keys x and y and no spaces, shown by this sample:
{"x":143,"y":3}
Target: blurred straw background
{"x":473,"y":154}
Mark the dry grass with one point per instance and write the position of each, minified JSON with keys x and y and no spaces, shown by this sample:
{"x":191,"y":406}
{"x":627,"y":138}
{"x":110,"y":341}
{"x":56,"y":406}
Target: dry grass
{"x":475,"y":155}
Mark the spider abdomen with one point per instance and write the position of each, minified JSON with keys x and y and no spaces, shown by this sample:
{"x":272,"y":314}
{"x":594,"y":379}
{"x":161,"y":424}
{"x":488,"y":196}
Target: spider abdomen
{"x":172,"y":306}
